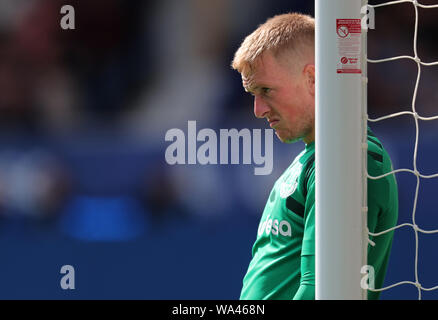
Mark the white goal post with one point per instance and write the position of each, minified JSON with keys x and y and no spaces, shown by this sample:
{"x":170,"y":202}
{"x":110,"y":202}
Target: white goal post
{"x":340,"y":167}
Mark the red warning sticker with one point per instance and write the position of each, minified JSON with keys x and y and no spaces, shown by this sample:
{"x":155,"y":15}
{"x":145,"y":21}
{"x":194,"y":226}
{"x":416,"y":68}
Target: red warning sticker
{"x":348,"y":32}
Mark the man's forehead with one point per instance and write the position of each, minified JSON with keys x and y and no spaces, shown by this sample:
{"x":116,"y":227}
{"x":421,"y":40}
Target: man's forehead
{"x":253,"y":80}
{"x":252,"y":75}
{"x":256,"y":73}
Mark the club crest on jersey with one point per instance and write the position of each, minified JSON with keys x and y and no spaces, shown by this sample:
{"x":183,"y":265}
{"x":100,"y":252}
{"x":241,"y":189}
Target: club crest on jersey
{"x":286,"y":189}
{"x":290,"y":181}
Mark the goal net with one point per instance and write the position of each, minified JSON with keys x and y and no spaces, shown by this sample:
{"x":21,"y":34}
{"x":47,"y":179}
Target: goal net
{"x":416,"y":280}
{"x":341,"y":112}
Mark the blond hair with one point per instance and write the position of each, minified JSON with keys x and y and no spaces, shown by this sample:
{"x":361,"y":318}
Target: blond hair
{"x":290,"y":33}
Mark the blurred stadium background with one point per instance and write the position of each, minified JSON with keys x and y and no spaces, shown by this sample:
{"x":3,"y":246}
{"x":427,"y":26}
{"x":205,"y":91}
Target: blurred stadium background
{"x":83,"y":115}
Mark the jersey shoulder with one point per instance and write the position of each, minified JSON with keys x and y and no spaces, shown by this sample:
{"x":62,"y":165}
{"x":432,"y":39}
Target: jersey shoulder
{"x":378,"y":159}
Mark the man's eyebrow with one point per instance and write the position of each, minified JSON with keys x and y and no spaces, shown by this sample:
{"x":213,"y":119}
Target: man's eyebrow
{"x":250,"y":86}
{"x":251,"y":89}
{"x":254,"y":87}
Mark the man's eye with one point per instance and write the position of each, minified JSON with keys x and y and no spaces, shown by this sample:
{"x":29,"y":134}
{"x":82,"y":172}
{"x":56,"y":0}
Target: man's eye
{"x":266,"y":90}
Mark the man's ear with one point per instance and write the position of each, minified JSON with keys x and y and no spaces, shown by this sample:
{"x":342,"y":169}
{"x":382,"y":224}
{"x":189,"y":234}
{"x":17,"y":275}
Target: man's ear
{"x":309,"y":74}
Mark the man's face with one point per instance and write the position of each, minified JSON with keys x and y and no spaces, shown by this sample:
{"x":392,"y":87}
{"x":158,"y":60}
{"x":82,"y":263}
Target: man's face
{"x":284,"y":97}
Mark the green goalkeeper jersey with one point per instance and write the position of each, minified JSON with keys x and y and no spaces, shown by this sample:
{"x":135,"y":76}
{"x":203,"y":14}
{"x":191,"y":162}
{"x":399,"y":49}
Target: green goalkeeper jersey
{"x":283,"y":253}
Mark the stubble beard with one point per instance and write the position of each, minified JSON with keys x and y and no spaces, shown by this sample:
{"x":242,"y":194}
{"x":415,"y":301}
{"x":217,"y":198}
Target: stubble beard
{"x":293,"y":136}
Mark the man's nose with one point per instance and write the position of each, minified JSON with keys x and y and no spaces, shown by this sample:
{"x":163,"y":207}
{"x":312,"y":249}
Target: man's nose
{"x":261,"y":109}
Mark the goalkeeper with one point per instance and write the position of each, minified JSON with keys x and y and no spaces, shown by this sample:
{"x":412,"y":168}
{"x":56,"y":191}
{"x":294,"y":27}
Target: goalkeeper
{"x":277,"y":66}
